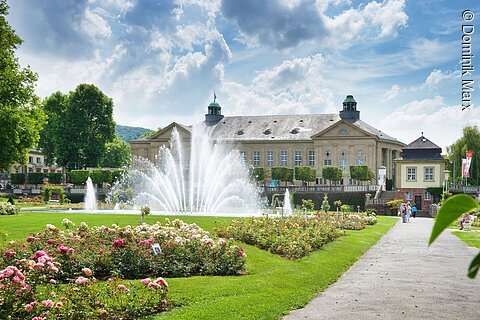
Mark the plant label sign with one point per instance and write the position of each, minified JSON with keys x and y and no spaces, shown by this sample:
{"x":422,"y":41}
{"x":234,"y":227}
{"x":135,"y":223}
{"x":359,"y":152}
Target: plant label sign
{"x":156,"y":249}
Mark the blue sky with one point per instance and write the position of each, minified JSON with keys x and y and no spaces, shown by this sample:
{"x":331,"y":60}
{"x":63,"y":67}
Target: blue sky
{"x":161,"y":60}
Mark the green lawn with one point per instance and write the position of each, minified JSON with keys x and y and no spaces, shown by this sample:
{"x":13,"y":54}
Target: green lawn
{"x":471,"y":238}
{"x":272,"y":286}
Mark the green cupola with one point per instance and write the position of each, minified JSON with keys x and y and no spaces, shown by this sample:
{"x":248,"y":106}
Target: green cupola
{"x":214,"y":113}
{"x":350,"y":111}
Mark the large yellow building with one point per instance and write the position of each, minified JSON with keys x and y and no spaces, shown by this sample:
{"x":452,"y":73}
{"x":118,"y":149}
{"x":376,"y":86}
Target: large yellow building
{"x":314,"y":140}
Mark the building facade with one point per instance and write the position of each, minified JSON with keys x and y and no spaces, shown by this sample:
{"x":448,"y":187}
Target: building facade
{"x":420,"y":167}
{"x":314,"y":140}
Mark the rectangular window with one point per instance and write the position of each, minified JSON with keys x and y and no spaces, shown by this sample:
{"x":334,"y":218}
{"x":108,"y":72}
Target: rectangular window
{"x":427,"y":196}
{"x":38,"y":159}
{"x":283,"y":158}
{"x":408,"y":196}
{"x":343,"y":164}
{"x":429,"y":174}
{"x":30,"y":159}
{"x":311,"y":158}
{"x":270,"y":158}
{"x":256,"y":158}
{"x":411,"y":174}
{"x":298,"y":158}
{"x":243,"y":155}
{"x":327,"y":162}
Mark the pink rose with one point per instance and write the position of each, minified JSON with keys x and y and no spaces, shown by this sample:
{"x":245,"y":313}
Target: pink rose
{"x":87,"y":272}
{"x":81,"y":280}
{"x":161,"y":281}
{"x":146,"y":281}
{"x":47,"y":303}
{"x":121,"y":287}
{"x":29,"y":307}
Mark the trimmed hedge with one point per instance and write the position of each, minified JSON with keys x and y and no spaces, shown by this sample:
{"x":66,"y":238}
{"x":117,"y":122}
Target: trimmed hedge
{"x":55,"y":177}
{"x":35,"y":177}
{"x":78,"y":176}
{"x":101,"y":176}
{"x":18,"y":178}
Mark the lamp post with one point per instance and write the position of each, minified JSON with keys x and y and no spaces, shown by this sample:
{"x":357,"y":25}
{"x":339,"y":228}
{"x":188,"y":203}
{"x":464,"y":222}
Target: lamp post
{"x":446,"y":174}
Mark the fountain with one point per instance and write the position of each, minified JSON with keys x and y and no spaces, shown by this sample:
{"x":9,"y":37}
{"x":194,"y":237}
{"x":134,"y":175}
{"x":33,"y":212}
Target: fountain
{"x":287,"y":206}
{"x":90,"y":201}
{"x":207,"y":178}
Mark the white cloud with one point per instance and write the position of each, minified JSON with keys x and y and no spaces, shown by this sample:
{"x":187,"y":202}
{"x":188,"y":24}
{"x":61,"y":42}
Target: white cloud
{"x":440,"y":122}
{"x":437,"y":76}
{"x":94,"y":25}
{"x":389,"y":16}
{"x":390,"y":94}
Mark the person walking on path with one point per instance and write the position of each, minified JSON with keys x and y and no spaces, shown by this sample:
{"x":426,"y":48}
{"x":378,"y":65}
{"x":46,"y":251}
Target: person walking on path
{"x":408,"y":213}
{"x":414,"y":211}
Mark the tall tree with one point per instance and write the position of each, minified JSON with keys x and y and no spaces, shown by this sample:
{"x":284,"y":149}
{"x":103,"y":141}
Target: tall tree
{"x":79,"y":128}
{"x":117,"y":154}
{"x":469,"y":141}
{"x":21,"y":115}
{"x":89,"y":117}
{"x":55,"y":106}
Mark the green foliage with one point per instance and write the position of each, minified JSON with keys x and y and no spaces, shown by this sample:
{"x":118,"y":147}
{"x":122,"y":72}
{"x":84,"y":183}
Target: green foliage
{"x":49,"y":189}
{"x":78,"y":176}
{"x":292,"y":237}
{"x":35,"y":177}
{"x":117,"y":174}
{"x":258,"y":174}
{"x":81,"y":126}
{"x":470,"y":140}
{"x":282,"y":174}
{"x":359,"y":172}
{"x":21,"y":115}
{"x":305,"y":174}
{"x":325,"y":205}
{"x":435,"y":191}
{"x":117,"y":154}
{"x":127,"y":133}
{"x":450,"y":211}
{"x":337,"y":203}
{"x":332,"y":173}
{"x":52,"y":137}
{"x":18,"y":178}
{"x":55,"y":177}
{"x":307,"y":204}
{"x":101,"y":176}
{"x":345,"y":208}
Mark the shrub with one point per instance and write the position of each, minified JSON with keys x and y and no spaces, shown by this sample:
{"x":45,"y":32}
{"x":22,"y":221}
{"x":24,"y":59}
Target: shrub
{"x":17,"y":178}
{"x":292,"y":237}
{"x":127,"y":252}
{"x":258,"y":174}
{"x":6,"y":209}
{"x":282,"y":174}
{"x":371,"y":212}
{"x":325,"y":204}
{"x":101,"y":176}
{"x":35,"y":177}
{"x":337,"y":204}
{"x":117,"y":175}
{"x":394,"y":205}
{"x":344,"y":208}
{"x":55,"y":177}
{"x":307,"y":204}
{"x":78,"y":176}
{"x":332,"y":173}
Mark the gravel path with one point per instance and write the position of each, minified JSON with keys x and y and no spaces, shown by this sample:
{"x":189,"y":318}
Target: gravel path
{"x":402,"y":278}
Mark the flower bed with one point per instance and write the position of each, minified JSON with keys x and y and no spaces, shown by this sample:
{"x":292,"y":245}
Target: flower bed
{"x":292,"y":237}
{"x":55,"y":272}
{"x":8,"y":209}
{"x":127,"y":252}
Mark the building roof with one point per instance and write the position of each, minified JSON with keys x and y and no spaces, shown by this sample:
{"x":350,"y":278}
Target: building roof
{"x":421,"y":143}
{"x":284,"y":127}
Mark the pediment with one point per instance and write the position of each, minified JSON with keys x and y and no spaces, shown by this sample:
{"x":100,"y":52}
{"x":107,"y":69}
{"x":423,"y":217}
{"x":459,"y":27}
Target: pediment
{"x":166,"y":133}
{"x":342,"y":130}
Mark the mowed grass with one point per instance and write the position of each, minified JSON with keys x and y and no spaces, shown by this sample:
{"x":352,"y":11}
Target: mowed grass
{"x":471,"y":238}
{"x":271,"y":288}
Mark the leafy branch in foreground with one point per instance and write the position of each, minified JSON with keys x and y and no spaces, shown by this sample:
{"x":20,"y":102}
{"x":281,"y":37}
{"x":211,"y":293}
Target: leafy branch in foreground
{"x":452,"y":209}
